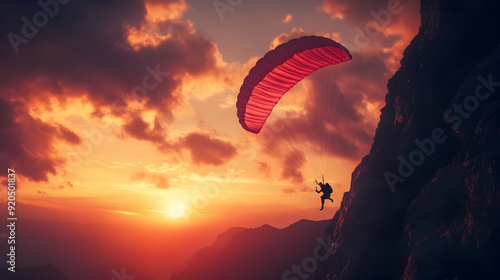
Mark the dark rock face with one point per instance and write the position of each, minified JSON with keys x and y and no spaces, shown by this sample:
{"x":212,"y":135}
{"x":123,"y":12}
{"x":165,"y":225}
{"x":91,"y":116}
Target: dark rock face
{"x":425,"y":202}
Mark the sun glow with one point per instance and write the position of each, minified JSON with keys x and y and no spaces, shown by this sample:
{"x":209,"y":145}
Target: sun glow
{"x":176,"y":210}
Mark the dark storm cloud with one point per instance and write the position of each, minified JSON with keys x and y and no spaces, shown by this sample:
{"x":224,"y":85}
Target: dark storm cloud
{"x":27,"y":143}
{"x":82,"y":51}
{"x":85,"y":47}
{"x":207,"y":150}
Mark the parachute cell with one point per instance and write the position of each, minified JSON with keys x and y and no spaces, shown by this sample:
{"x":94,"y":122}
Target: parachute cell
{"x":278,"y":71}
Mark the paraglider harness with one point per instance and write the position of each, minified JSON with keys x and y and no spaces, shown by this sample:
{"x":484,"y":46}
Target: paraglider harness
{"x":326,"y":188}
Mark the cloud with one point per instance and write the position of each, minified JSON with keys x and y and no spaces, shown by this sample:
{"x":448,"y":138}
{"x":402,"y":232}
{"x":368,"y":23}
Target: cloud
{"x":69,"y":136}
{"x":292,"y":164}
{"x":207,"y":150}
{"x":291,"y":190}
{"x":155,"y":180}
{"x":42,"y":193}
{"x":139,"y":129}
{"x":203,"y":148}
{"x":71,"y":58}
{"x":63,"y":186}
{"x":288,"y":190}
{"x":287,"y":18}
{"x":264,"y":169}
{"x":27,"y":144}
{"x":389,"y":25}
{"x":362,"y":11}
{"x":94,"y":52}
{"x":298,"y":32}
{"x":285,"y":37}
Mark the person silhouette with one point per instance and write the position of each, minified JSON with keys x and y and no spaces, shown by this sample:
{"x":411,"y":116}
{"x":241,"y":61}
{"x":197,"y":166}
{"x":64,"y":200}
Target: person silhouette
{"x":326,"y":190}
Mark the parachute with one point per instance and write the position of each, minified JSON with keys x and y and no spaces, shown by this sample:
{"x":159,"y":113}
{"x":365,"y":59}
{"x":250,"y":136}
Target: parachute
{"x":278,"y":71}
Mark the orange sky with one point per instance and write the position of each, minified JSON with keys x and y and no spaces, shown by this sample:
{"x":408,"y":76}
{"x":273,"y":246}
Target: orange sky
{"x":89,"y":145}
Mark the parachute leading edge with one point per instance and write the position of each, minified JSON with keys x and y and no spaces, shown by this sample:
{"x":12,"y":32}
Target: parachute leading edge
{"x":278,"y":71}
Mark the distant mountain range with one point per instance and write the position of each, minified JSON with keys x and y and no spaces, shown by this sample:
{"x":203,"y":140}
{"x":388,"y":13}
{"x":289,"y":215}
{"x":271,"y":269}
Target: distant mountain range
{"x":50,"y":272}
{"x":262,"y":253}
{"x":42,"y":272}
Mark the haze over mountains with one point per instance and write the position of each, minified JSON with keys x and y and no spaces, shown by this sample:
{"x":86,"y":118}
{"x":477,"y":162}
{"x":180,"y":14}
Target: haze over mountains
{"x":262,"y":253}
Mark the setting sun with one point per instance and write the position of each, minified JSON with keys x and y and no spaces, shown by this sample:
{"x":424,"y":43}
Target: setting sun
{"x":176,"y":210}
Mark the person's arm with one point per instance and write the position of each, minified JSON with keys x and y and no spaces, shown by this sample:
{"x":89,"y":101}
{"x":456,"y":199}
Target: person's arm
{"x":317,"y":187}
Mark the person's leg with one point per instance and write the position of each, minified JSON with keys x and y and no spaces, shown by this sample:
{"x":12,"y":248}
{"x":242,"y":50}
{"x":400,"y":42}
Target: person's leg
{"x":330,"y":199}
{"x":322,"y":204}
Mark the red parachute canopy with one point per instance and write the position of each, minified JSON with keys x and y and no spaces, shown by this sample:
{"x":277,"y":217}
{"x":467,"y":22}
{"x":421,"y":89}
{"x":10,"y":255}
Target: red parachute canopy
{"x":278,"y":71}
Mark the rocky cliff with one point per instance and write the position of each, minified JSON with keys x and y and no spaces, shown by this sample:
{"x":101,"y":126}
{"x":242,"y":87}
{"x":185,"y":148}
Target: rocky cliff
{"x":425,"y":202}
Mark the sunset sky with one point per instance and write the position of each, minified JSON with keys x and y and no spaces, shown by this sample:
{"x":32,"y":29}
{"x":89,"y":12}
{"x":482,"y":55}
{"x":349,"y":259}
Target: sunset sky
{"x":91,"y":144}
